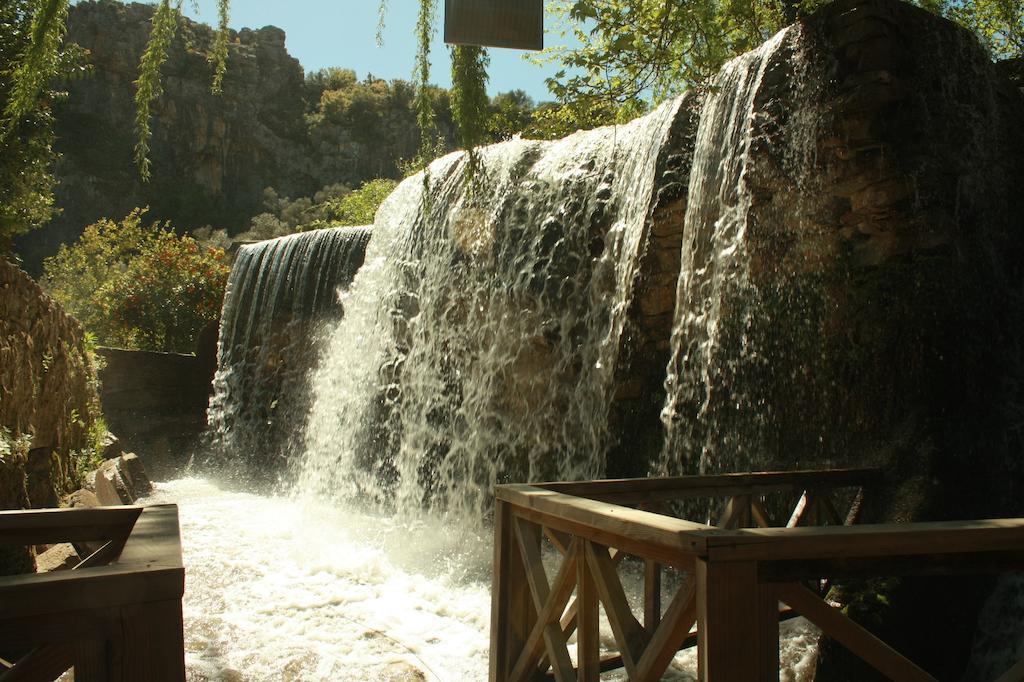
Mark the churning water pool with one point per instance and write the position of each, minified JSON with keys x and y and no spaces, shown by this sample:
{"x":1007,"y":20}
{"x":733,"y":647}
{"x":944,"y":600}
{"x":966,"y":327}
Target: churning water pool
{"x":279,"y":589}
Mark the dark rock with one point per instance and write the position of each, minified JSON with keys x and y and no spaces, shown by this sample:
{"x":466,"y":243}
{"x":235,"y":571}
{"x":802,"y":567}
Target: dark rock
{"x":82,"y":499}
{"x":111,"y":445}
{"x":134,"y":473}
{"x":121,"y":481}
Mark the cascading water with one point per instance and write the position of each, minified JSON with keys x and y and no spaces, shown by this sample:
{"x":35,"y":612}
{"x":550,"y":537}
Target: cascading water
{"x":280,"y":291}
{"x":713,"y":414}
{"x":487,"y":321}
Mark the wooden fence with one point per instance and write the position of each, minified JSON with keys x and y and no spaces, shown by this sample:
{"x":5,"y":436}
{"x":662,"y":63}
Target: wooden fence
{"x":115,"y":617}
{"x":734,"y":581}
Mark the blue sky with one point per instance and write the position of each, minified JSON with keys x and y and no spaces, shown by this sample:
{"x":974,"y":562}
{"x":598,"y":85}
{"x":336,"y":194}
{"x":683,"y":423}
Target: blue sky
{"x":342,"y":33}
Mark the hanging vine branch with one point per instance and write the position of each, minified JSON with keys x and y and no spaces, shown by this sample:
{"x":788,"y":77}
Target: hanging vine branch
{"x":38,"y":65}
{"x":469,"y":96}
{"x":219,"y":54}
{"x":149,"y":87}
{"x":421,"y":71}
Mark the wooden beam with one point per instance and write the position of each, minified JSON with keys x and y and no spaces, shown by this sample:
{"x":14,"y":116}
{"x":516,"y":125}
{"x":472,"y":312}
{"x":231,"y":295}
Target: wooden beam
{"x":652,"y":595}
{"x":647,"y":490}
{"x":512,"y":612}
{"x":588,"y":645}
{"x":875,"y":540}
{"x":52,"y":526}
{"x":529,"y":535}
{"x":737,"y":624}
{"x":851,"y":635}
{"x":46,"y":662}
{"x":637,"y":532}
{"x":149,"y":568}
{"x":561,"y":589}
{"x":628,"y":632}
{"x":761,"y":517}
{"x":670,"y":634}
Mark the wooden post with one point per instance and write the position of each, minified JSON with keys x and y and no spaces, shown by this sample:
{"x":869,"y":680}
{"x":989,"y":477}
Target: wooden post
{"x":588,"y":652}
{"x":512,"y":611}
{"x":154,"y":646}
{"x":652,"y":595}
{"x":737,"y":624}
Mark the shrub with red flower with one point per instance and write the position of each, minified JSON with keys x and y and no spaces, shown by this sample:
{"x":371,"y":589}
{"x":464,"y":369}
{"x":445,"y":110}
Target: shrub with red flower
{"x":139,"y":287}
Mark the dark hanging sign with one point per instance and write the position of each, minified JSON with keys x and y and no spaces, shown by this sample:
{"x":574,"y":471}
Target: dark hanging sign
{"x":517,"y":24}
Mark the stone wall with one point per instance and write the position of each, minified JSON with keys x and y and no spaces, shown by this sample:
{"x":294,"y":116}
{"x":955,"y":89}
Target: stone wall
{"x":48,"y":399}
{"x":156,"y":402}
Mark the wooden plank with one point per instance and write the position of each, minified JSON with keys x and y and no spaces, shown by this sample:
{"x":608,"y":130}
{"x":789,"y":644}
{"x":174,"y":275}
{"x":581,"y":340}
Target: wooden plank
{"x":628,"y":632}
{"x":736,"y":513}
{"x":66,"y":628}
{"x":154,"y":646}
{"x":587,"y":623}
{"x":644,"y":490}
{"x":559,"y":540}
{"x":802,"y":508}
{"x":149,"y":568}
{"x":512,"y":612}
{"x":652,"y":595}
{"x":978,"y":563}
{"x":851,"y":635}
{"x":877,"y":540}
{"x":669,"y":635}
{"x":561,"y":589}
{"x":761,"y":517}
{"x":52,"y":526}
{"x":528,"y":535}
{"x":637,"y":532}
{"x":43,"y":663}
{"x":91,"y":662}
{"x":737,"y":624}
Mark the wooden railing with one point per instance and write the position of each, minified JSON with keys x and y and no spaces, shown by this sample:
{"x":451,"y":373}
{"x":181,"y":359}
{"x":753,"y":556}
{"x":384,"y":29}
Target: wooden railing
{"x":115,"y":617}
{"x":734,"y":581}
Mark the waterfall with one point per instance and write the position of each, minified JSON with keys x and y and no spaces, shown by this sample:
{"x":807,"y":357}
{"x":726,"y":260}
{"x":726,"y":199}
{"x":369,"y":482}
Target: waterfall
{"x":712,"y":416}
{"x":486,"y":323}
{"x":279,"y":292}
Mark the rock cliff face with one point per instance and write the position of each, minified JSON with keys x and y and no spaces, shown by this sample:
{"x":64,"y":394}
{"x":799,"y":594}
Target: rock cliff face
{"x":212,"y":155}
{"x":48,"y":399}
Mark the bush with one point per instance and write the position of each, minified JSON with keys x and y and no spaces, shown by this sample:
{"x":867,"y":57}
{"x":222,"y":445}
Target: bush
{"x":138,"y":287}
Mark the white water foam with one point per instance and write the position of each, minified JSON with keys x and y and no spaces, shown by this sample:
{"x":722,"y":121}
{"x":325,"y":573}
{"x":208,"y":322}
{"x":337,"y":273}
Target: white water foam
{"x":280,"y":590}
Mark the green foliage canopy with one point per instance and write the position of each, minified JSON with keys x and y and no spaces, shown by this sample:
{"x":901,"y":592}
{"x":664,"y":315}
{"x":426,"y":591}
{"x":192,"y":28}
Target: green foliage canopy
{"x":634,"y":52}
{"x":138,"y":286}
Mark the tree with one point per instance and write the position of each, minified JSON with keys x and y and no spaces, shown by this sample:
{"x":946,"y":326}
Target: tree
{"x":642,"y":51}
{"x":138,"y":286}
{"x":357,"y":207}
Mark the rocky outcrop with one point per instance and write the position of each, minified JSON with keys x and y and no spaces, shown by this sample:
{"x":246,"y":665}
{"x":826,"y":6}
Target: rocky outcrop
{"x":634,"y":419}
{"x":48,"y":399}
{"x":850,"y":295}
{"x":212,"y":155}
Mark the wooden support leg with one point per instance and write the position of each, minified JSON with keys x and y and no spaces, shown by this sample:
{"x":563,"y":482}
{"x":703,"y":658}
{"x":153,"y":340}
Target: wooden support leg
{"x":92,"y":662}
{"x":512,"y":612}
{"x":737,"y":624}
{"x":652,"y":595}
{"x":153,"y":643}
{"x":588,"y":652}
